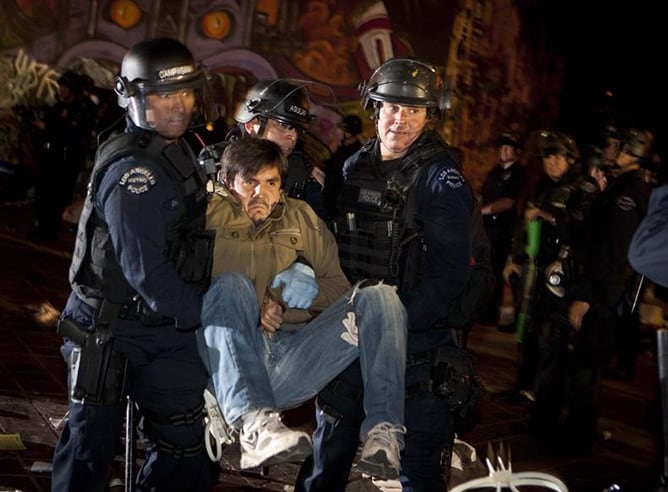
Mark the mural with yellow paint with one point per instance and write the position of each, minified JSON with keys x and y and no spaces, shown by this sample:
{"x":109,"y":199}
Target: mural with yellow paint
{"x":337,"y":43}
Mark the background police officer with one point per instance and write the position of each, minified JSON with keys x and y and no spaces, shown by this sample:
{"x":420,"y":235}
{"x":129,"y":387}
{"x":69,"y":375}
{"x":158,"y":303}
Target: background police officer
{"x":558,"y":210}
{"x":279,"y":110}
{"x":141,"y":261}
{"x":406,"y":217}
{"x":501,"y":190}
{"x":595,"y":301}
{"x":615,"y":217}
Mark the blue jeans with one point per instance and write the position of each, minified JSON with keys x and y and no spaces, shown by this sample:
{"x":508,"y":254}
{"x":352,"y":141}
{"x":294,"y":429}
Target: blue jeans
{"x":251,"y":370}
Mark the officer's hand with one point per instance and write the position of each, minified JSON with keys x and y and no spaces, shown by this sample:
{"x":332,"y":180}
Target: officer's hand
{"x":577,"y":311}
{"x":509,"y":270}
{"x":300,"y":287}
{"x":319,"y":175}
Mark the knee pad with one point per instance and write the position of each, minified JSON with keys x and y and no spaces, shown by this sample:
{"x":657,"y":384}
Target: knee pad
{"x":181,"y":435}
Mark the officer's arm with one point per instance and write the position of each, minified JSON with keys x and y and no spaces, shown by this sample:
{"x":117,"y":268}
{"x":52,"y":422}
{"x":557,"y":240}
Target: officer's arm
{"x":138,"y":201}
{"x":444,"y":206}
{"x":647,"y":251}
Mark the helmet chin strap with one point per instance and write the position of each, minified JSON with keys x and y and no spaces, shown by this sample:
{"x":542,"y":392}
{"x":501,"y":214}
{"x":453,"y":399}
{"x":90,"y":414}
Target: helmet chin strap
{"x":263,"y":126}
{"x":249,"y":126}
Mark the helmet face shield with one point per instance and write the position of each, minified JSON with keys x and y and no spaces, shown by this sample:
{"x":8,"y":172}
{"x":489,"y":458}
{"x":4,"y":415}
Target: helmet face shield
{"x":162,"y":66}
{"x":544,"y":143}
{"x":637,"y":143}
{"x":284,"y":100}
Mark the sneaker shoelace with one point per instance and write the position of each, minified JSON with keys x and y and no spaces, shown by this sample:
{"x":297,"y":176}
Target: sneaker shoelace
{"x":263,"y":420}
{"x":383,"y":432}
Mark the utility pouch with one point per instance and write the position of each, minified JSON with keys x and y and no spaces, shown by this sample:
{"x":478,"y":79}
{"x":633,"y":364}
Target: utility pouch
{"x":454,"y":378}
{"x":98,"y":374}
{"x":193,"y":258}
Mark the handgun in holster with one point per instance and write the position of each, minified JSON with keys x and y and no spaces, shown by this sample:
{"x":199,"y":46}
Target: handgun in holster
{"x":98,"y":373}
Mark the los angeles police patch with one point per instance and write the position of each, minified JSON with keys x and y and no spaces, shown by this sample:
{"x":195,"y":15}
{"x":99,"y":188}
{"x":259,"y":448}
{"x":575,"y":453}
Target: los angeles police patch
{"x":625,"y":203}
{"x":452,"y":177}
{"x":137,"y":180}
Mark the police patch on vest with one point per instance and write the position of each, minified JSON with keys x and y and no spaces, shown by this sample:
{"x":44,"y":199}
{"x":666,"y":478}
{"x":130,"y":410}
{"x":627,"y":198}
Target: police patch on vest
{"x":452,"y":177}
{"x":625,"y":203}
{"x":137,"y":180}
{"x":369,"y":197}
{"x":588,"y":187}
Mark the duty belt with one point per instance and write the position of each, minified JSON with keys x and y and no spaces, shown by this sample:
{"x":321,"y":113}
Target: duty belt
{"x":136,"y":310}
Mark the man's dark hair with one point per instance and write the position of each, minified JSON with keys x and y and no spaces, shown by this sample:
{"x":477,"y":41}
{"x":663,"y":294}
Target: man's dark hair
{"x":247,"y":156}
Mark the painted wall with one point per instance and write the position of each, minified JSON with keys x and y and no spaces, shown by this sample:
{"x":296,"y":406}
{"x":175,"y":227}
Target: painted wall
{"x":495,"y":76}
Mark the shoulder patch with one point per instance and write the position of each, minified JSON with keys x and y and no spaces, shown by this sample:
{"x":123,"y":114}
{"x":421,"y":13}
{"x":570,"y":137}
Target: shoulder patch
{"x":452,"y":177}
{"x":588,"y":187}
{"x":138,"y":180}
{"x":625,"y":203}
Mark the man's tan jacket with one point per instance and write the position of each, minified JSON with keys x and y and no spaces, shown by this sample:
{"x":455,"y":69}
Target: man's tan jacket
{"x":292,"y":230}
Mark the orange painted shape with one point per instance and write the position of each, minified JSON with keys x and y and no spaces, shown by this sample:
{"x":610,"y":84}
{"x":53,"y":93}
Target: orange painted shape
{"x":125,"y":13}
{"x":270,"y":9}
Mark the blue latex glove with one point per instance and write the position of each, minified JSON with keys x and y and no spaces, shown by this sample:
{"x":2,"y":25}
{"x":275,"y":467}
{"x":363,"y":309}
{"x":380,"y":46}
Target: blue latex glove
{"x":300,"y":287}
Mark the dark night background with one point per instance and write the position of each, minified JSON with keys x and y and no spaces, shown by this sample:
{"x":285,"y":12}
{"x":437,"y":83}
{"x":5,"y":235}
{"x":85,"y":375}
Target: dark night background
{"x":615,"y":48}
{"x":610,"y":48}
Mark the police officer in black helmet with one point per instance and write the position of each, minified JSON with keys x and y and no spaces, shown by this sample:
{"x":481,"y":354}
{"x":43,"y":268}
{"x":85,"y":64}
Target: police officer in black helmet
{"x":280,"y":110}
{"x":406,"y":217}
{"x":141,"y":261}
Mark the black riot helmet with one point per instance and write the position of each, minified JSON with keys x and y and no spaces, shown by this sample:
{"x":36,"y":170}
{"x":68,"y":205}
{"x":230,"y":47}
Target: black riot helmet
{"x":547,"y":142}
{"x":161,"y":65}
{"x":507,"y":138}
{"x":285,"y":100}
{"x":408,"y":82}
{"x":637,"y":143}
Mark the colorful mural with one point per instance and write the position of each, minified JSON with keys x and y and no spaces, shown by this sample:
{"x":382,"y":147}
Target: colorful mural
{"x":335,"y":43}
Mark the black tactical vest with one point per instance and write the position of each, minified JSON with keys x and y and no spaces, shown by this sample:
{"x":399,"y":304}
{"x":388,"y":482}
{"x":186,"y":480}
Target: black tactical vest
{"x":94,"y":272}
{"x":376,"y":230}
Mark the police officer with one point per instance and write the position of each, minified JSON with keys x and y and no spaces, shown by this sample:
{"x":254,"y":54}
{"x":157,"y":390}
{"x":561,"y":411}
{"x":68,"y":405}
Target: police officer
{"x":279,"y":110}
{"x":554,"y":226}
{"x":406,"y":217}
{"x":647,"y":251}
{"x":500,"y":193}
{"x":141,"y":261}
{"x":615,"y":218}
{"x":568,"y":382}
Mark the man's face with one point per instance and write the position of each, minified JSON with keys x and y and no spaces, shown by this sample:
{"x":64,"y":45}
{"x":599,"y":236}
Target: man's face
{"x":507,"y":153}
{"x":398,"y":127}
{"x":610,"y":151}
{"x":260,"y":193}
{"x":555,"y":166}
{"x":625,"y":160}
{"x":283,"y":135}
{"x":169,"y":113}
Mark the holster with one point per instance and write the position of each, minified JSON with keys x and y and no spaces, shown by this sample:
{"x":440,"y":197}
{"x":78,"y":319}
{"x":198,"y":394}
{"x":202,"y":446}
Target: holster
{"x":98,"y":374}
{"x":454,"y":378}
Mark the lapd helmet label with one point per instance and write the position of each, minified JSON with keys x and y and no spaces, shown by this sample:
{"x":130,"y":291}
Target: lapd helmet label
{"x":297,"y":110}
{"x":168,"y":73}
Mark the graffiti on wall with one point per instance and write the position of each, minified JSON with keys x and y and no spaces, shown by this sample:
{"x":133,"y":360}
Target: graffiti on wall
{"x":336,"y":43}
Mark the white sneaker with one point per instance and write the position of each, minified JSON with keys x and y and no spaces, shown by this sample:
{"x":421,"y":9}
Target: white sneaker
{"x":380,"y":454}
{"x":265,"y":440}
